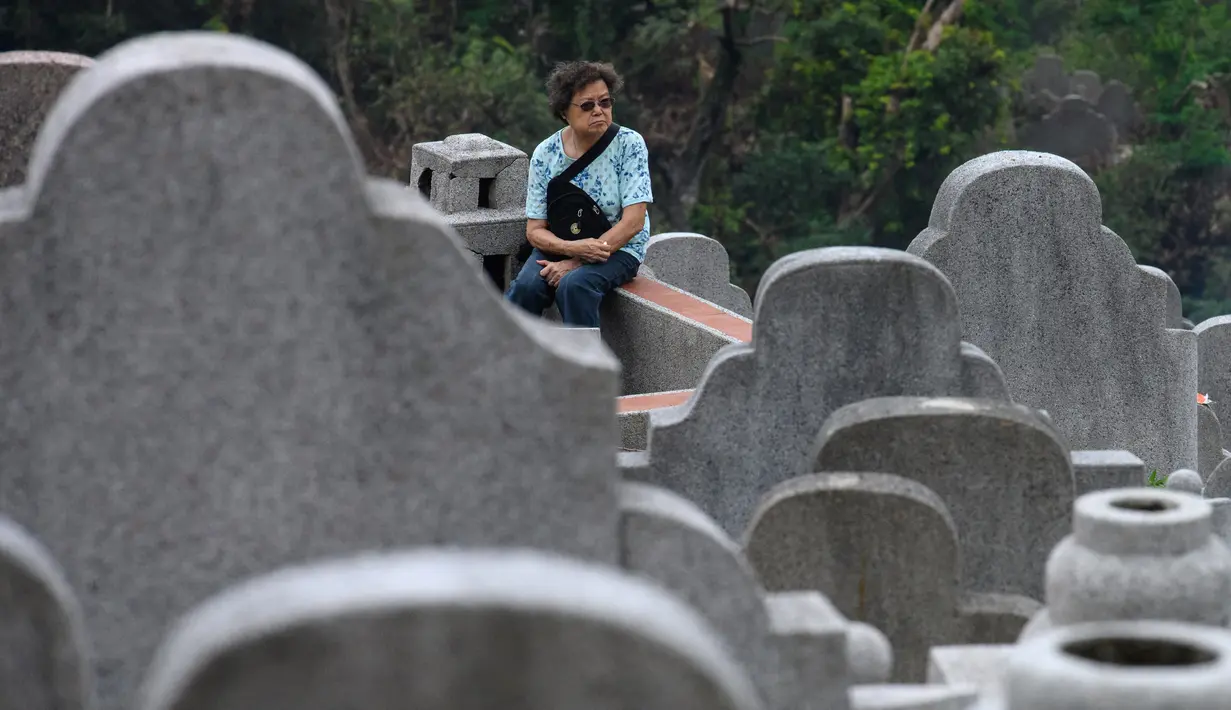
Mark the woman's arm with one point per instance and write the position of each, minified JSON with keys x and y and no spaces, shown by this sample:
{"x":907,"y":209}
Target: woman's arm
{"x":630,"y":224}
{"x":636,"y":192}
{"x":541,"y":238}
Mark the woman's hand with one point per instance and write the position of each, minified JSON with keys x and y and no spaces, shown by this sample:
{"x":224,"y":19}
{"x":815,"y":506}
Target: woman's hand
{"x":591,"y":251}
{"x":553,"y":271}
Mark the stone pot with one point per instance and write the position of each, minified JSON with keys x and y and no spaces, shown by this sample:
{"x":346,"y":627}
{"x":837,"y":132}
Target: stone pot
{"x":1126,"y":665}
{"x":1140,"y":553}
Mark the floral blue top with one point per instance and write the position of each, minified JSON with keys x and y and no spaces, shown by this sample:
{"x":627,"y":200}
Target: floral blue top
{"x":616,"y":179}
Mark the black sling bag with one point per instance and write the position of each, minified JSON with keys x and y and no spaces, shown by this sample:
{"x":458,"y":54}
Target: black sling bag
{"x":571,"y":213}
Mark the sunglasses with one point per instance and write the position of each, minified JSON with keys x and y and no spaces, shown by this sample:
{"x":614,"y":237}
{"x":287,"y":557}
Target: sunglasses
{"x":588,"y":106}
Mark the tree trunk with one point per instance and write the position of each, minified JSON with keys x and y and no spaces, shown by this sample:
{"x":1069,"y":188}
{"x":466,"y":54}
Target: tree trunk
{"x":682,"y":169}
{"x":340,"y":15}
{"x":672,"y":207}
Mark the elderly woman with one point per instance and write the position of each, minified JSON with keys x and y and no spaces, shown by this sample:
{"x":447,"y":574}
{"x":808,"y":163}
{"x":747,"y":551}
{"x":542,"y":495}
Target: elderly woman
{"x":588,"y":227}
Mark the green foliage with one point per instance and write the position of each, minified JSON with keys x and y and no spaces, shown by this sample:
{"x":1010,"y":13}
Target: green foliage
{"x":1021,"y":26}
{"x":818,"y":174}
{"x":774,"y":196}
{"x":1168,"y":199}
{"x":1156,"y":481}
{"x":483,"y":84}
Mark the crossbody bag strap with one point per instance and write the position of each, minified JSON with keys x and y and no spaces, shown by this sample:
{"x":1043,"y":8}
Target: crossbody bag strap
{"x":589,"y":156}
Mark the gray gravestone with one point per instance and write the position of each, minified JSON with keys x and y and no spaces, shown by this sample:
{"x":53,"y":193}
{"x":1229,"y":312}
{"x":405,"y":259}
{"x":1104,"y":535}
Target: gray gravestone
{"x":1209,"y":441}
{"x":29,"y":85}
{"x":1056,"y":299}
{"x":811,"y":633}
{"x":1074,"y":130}
{"x":882,"y":548}
{"x":672,"y":542}
{"x":43,"y":657}
{"x":1087,"y":85}
{"x":1220,"y":509}
{"x":832,"y":326}
{"x":1117,"y":104}
{"x":446,"y":630}
{"x":1214,"y":365}
{"x":995,"y":618}
{"x":1047,"y":75}
{"x":225,"y":350}
{"x":699,"y":265}
{"x":1002,"y":473}
{"x":979,"y":665}
{"x":1175,"y":305}
{"x":1218,"y":483}
{"x":810,"y":636}
{"x":981,"y":376}
{"x":1103,"y":470}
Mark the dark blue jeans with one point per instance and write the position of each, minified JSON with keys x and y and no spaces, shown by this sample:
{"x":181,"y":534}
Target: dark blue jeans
{"x":579,"y":292}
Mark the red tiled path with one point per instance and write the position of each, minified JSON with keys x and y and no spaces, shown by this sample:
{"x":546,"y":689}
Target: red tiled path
{"x":652,"y":400}
{"x":692,"y":308}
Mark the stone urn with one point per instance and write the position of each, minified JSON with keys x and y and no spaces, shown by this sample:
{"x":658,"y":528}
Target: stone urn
{"x":1126,"y":665}
{"x":1138,"y":553}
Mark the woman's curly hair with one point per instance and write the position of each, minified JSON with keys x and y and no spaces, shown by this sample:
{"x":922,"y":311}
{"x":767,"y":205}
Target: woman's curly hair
{"x":567,"y":78}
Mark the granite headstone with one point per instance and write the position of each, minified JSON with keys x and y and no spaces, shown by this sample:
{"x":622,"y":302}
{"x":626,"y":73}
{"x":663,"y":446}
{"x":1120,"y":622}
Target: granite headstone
{"x":226,"y":350}
{"x":446,"y":630}
{"x":832,"y":326}
{"x":1056,"y":299}
{"x":1004,"y":476}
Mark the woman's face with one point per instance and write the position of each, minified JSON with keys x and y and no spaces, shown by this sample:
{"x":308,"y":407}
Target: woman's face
{"x":586,"y":115}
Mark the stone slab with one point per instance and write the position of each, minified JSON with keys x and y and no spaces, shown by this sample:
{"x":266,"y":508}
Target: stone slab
{"x":1221,"y":516}
{"x":491,"y":232}
{"x":912,"y":697}
{"x":1056,"y":299}
{"x":1073,"y":130}
{"x":1214,"y":365}
{"x":1117,"y":104}
{"x":882,"y":548}
{"x":1175,"y":305}
{"x":662,"y":348}
{"x":832,"y":326}
{"x":1047,"y":74}
{"x":30,"y":82}
{"x":822,"y":644}
{"x":982,"y":378}
{"x":979,"y":665}
{"x":1087,"y":85}
{"x":994,"y":618}
{"x":1218,"y":483}
{"x":226,"y":350}
{"x":670,"y":540}
{"x":1209,"y":441}
{"x":1104,"y":470}
{"x":418,"y":629}
{"x":1002,"y":473}
{"x":465,"y":155}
